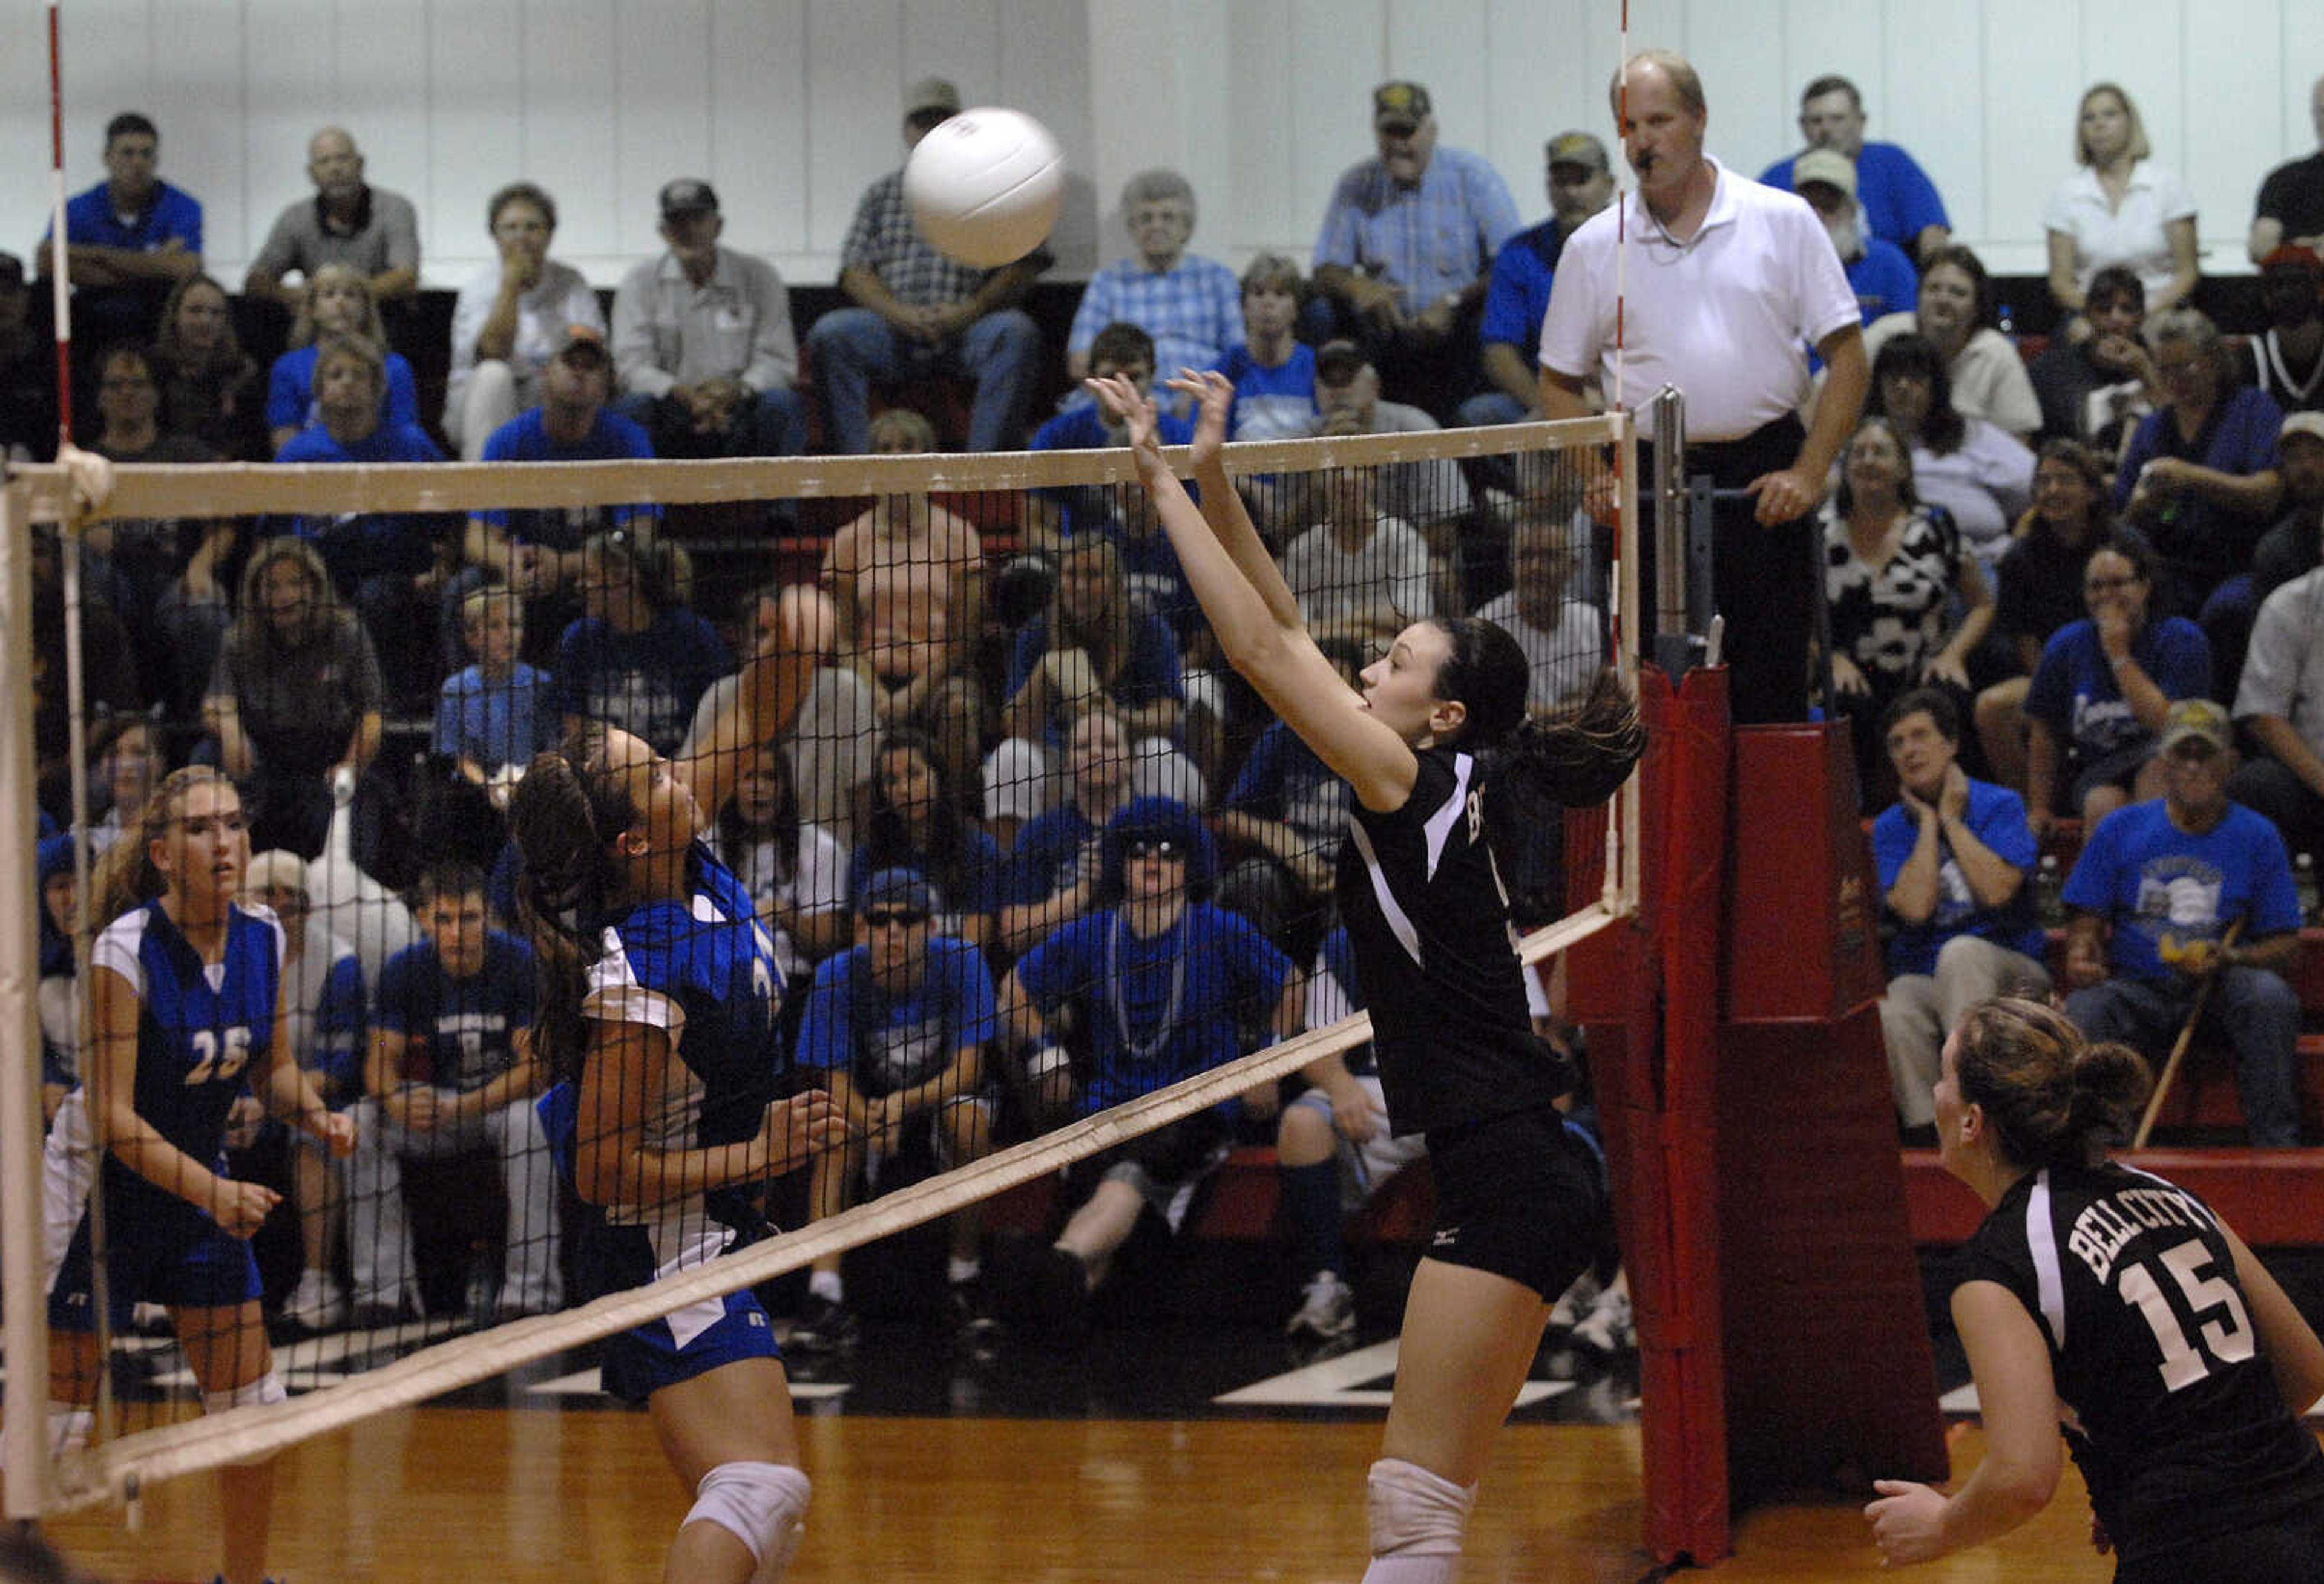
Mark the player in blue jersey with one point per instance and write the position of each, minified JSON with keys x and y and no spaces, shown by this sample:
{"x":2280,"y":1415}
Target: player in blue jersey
{"x":2104,"y":1298}
{"x":661,"y":992}
{"x":188,"y":1009}
{"x":1518,"y":1200}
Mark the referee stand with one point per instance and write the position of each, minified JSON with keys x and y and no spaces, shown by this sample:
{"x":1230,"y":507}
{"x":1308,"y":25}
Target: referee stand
{"x":1736,"y":1052}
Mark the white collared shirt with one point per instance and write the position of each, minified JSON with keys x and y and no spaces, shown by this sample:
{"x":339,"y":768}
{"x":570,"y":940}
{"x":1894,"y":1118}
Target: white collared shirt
{"x":2133,"y":234}
{"x":1727,"y":317}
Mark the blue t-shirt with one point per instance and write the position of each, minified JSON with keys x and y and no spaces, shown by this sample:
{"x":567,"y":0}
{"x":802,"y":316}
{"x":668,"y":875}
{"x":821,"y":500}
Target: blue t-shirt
{"x":1048,"y":854}
{"x":2073,"y":691}
{"x":291,"y":390}
{"x":1898,"y":199}
{"x":398,"y":538}
{"x":342,"y":1019}
{"x":1158,"y":1008}
{"x":644,"y":683}
{"x":978,"y":889}
{"x":2199,"y":542}
{"x":1149,"y":672}
{"x":891,"y":1043}
{"x":463,"y":1028}
{"x":1082,"y":429}
{"x":389,"y":442}
{"x":1518,"y":297}
{"x":495,"y":723}
{"x":91,"y":221}
{"x":1884,"y":279}
{"x":525,"y":438}
{"x":1283,"y":780}
{"x":2151,"y":879}
{"x":1996,"y":817}
{"x":1273,"y":403}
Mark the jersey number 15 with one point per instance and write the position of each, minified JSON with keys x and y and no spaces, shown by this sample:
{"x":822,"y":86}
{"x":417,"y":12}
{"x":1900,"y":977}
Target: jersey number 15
{"x":2226,"y":1339}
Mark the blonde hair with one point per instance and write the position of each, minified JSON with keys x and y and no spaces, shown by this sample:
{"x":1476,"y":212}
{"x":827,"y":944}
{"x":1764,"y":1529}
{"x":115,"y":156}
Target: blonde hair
{"x":2139,"y":148}
{"x":905,"y":424}
{"x":126,"y":876}
{"x":303,"y":329}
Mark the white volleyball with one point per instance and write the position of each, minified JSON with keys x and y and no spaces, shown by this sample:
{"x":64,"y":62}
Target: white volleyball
{"x":984,"y":186}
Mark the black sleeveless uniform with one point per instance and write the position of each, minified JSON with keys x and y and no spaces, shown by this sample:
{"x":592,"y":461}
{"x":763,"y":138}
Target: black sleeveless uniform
{"x":1458,"y":1059}
{"x":2195,"y":1466}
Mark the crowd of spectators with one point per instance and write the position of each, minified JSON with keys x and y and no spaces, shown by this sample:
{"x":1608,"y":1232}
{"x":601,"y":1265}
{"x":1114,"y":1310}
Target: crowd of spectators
{"x":988,"y":848}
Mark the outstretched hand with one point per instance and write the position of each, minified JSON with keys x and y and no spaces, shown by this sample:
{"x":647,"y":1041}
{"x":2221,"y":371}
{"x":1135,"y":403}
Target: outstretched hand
{"x":1213,"y":394}
{"x":1129,"y":406}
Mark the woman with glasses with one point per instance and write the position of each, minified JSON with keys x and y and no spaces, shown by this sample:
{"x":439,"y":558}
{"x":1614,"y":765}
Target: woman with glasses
{"x":2103,"y":685}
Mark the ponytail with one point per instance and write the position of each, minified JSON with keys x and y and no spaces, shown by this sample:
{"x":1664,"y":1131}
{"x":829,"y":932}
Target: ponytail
{"x":2053,"y":1098}
{"x":562,"y":816}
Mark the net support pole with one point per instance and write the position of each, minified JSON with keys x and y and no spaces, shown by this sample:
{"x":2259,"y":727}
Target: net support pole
{"x":23,"y":1320}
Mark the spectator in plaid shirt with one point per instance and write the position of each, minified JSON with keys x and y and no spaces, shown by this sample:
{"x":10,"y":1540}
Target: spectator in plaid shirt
{"x":918,"y":312}
{"x":1407,"y":250}
{"x":1192,"y":306}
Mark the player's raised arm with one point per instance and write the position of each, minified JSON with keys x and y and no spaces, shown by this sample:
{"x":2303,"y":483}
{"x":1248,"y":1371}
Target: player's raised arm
{"x":1221,"y":503}
{"x":1280,"y":660}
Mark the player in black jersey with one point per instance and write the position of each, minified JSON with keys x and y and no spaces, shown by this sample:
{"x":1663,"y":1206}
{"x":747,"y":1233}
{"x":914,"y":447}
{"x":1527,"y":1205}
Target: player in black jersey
{"x":2105,"y":1297}
{"x":1519,"y":1202}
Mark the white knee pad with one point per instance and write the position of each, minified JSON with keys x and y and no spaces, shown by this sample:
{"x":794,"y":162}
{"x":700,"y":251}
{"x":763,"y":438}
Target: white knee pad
{"x":762,"y":1505}
{"x":1414,"y":1512}
{"x":266,"y":1388}
{"x":70,"y":1428}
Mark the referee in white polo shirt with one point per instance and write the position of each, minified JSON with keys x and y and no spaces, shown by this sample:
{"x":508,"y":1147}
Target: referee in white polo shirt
{"x":1727,"y":283}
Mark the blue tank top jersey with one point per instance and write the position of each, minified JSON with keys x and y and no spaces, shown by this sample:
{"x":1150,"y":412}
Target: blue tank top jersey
{"x":199,"y":1025}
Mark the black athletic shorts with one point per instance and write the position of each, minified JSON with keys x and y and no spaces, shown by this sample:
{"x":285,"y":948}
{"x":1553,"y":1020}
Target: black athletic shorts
{"x":1516,"y":1195}
{"x":2285,"y":1551}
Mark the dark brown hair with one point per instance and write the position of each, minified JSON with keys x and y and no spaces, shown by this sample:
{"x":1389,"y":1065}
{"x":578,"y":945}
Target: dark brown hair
{"x":2053,"y":1097}
{"x":563,"y":818}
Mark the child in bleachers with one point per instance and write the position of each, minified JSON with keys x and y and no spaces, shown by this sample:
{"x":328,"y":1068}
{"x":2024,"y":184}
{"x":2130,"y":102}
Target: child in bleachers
{"x":494,"y":716}
{"x":338,"y":302}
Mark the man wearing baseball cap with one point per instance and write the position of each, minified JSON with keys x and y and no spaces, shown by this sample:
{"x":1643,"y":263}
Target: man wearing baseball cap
{"x":1885,"y":280}
{"x":1406,"y":245}
{"x":917,"y":313}
{"x":1896,"y":200}
{"x":2156,"y":893}
{"x":702,"y":342}
{"x":1581,"y":183}
{"x":2290,"y":548}
{"x":895,"y":1030}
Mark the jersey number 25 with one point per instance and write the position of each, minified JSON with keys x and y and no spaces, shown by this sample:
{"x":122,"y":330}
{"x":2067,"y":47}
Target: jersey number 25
{"x":219,"y":1054}
{"x":2226,"y":1339}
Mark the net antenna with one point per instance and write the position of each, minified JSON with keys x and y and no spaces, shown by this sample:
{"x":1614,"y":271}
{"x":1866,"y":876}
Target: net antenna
{"x":1560,"y":459}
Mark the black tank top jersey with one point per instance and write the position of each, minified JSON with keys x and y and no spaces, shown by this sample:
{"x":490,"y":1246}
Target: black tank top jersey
{"x":2177,"y":1423}
{"x":1427,"y":916}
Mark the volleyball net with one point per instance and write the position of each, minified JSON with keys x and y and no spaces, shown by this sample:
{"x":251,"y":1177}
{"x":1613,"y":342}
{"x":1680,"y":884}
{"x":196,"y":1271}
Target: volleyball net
{"x":1041,"y":877}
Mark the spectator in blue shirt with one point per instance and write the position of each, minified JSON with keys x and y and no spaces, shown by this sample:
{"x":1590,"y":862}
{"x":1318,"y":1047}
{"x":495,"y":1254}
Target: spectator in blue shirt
{"x":128,"y":239}
{"x":1165,"y":983}
{"x":492,"y":716}
{"x":1185,"y":302}
{"x":1953,"y":855}
{"x":1053,"y":869}
{"x":383,"y":562}
{"x":451,"y":1072}
{"x":1899,"y":202}
{"x":2102,"y":689}
{"x":1273,"y":372}
{"x":896,"y":1031}
{"x":1882,"y":277}
{"x":641,"y":660}
{"x":1120,"y":350}
{"x":916,"y":821}
{"x":336,"y":301}
{"x":1407,"y":244}
{"x":2155,"y":895}
{"x":1581,"y":183}
{"x":539,"y":552}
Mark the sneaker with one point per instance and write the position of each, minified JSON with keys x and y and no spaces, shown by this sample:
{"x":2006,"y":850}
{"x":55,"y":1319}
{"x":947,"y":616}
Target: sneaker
{"x":1572,"y":1306}
{"x":824,"y":1327}
{"x":317,"y":1304}
{"x":1327,"y":1311}
{"x":1608,"y":1329}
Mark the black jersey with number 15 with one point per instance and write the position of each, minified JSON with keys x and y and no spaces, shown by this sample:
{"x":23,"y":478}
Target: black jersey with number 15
{"x":2182,"y":1432}
{"x":1429,"y":921}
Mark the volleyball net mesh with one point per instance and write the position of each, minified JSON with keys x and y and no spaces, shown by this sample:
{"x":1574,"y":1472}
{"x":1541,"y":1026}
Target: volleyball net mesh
{"x":1040,"y":877}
